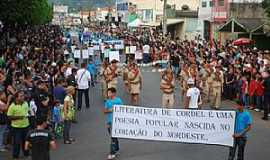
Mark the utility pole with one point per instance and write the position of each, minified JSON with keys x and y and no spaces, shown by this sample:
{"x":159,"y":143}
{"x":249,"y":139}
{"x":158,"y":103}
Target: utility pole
{"x":164,"y":21}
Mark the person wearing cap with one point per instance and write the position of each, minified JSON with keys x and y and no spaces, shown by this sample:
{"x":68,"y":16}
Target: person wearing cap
{"x":193,"y":98}
{"x":111,"y":74}
{"x":167,"y":86}
{"x":135,"y":82}
{"x":217,"y":88}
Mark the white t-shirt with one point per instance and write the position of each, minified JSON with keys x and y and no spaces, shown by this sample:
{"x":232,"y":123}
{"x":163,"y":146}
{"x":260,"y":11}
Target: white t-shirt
{"x":194,"y":94}
{"x":83,"y":78}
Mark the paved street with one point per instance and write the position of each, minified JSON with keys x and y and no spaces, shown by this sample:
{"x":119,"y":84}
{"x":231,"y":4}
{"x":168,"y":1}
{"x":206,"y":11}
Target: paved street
{"x":93,"y":141}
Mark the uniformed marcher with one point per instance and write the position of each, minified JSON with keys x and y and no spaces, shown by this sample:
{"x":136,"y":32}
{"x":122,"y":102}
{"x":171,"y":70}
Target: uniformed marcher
{"x":167,"y":85}
{"x":111,"y":74}
{"x":184,"y":75}
{"x":135,"y":81}
{"x":125,"y":76}
{"x":217,"y":88}
{"x":103,"y":68}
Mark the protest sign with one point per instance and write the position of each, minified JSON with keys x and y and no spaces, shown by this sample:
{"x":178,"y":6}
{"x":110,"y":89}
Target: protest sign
{"x":66,"y":52}
{"x":73,"y":48}
{"x":119,"y":44}
{"x":138,"y":55}
{"x":77,"y":53}
{"x":132,"y":49}
{"x":85,"y":54}
{"x":127,"y":49}
{"x":96,"y":47}
{"x":102,"y":48}
{"x":90,"y":51}
{"x":114,"y":55}
{"x":174,"y":125}
{"x":106,"y":53}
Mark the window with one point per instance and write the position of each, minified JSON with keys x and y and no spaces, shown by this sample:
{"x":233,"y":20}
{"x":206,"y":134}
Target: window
{"x":204,"y":4}
{"x":220,"y":2}
{"x":210,"y":3}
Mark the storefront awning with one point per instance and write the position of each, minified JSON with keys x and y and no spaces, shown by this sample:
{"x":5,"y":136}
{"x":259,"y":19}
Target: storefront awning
{"x":246,"y":25}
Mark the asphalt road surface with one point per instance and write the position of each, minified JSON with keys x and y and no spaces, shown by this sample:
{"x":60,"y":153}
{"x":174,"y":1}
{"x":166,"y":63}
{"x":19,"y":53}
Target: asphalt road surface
{"x":92,"y":139}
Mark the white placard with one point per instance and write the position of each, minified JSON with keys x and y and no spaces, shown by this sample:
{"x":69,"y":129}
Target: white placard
{"x":119,"y":44}
{"x":127,"y":49}
{"x":132,"y":49}
{"x":138,"y":55}
{"x":85,"y":54}
{"x":90,"y":51}
{"x":114,"y":55}
{"x":106,"y":53}
{"x":174,"y":125}
{"x":77,"y":53}
{"x":102,"y":48}
{"x":73,"y":49}
{"x":66,"y":52}
{"x":96,"y":47}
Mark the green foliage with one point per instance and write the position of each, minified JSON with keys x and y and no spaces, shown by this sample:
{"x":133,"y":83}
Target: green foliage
{"x":266,"y":6}
{"x":25,"y":11}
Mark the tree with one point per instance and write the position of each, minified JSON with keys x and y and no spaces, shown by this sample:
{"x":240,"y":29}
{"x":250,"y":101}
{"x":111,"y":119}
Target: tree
{"x":25,"y":12}
{"x":266,"y":6}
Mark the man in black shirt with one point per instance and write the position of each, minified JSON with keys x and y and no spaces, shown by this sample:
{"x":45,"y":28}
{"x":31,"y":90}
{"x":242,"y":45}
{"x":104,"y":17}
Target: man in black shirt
{"x":40,"y":141}
{"x":41,"y":98}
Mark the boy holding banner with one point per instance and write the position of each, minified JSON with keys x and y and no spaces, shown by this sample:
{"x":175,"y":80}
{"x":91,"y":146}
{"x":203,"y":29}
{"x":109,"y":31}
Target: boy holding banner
{"x":242,"y":126}
{"x":108,"y":111}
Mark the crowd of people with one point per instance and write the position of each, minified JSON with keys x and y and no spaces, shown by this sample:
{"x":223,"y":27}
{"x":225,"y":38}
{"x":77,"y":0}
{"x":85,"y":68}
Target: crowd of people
{"x":39,"y":83}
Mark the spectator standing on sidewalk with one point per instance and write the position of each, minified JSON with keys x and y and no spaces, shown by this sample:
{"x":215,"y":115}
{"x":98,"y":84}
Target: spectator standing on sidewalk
{"x":68,"y":114}
{"x":4,"y":103}
{"x":18,"y":114}
{"x":40,"y":141}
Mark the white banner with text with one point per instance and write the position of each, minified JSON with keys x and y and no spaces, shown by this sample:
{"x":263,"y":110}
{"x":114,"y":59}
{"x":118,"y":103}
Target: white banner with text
{"x":174,"y":125}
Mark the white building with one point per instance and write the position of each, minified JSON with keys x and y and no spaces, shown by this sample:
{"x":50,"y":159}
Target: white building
{"x":205,"y":18}
{"x":152,"y":10}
